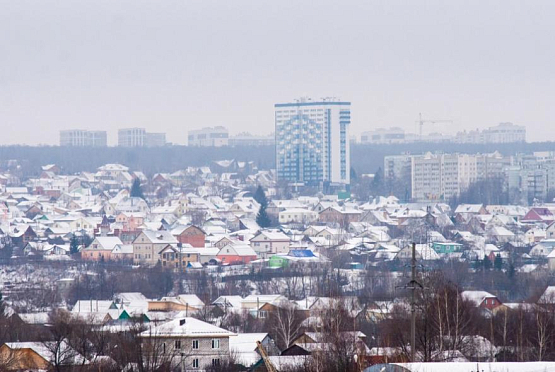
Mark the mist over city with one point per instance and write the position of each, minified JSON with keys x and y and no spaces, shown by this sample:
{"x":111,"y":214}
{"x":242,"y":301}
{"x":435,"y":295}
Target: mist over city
{"x":359,"y":186}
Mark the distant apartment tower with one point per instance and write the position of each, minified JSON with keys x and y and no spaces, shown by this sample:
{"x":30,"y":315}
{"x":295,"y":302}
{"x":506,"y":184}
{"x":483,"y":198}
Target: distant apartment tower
{"x":209,"y":137}
{"x":139,"y":137}
{"x":247,"y":139}
{"x":83,"y":138}
{"x":312,"y":141}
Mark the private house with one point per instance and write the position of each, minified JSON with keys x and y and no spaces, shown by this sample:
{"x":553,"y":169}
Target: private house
{"x":423,"y":252}
{"x":236,"y":254}
{"x":188,"y":343}
{"x":342,"y":217}
{"x":267,"y":243}
{"x":481,"y":299}
{"x":33,"y":356}
{"x":130,"y":221}
{"x":21,"y":235}
{"x":191,"y":234}
{"x":178,"y":257}
{"x":538,"y":214}
{"x":100,"y":249}
{"x":244,"y":347}
{"x":297,"y":215}
{"x":446,"y":247}
{"x":148,"y":245}
{"x":188,"y":303}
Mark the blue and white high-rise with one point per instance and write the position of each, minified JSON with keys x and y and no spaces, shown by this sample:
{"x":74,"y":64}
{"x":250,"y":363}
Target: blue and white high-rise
{"x":312,"y":142}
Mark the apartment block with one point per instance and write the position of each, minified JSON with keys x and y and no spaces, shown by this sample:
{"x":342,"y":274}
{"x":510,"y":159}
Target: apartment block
{"x":209,"y":137}
{"x":312,"y":141}
{"x":83,"y":138}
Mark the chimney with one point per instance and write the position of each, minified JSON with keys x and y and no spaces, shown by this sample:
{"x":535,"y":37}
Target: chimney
{"x":181,"y":322}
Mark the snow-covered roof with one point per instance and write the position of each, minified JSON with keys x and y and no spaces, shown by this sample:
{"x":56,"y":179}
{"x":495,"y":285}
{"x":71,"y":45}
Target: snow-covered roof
{"x":186,"y":327}
{"x":476,"y":297}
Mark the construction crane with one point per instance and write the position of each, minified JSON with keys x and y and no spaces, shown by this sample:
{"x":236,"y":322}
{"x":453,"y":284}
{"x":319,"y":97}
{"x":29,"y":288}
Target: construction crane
{"x":269,"y":366}
{"x":422,"y":121}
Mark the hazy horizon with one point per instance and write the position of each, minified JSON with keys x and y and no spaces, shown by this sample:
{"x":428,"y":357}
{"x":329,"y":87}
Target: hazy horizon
{"x":174,"y":66}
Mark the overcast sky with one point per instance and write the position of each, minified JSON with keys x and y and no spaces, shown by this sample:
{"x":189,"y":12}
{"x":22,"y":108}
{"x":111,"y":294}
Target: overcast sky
{"x":178,"y":65}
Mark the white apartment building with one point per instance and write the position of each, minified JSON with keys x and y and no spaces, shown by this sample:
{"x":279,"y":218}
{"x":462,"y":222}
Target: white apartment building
{"x":139,"y":137}
{"x":209,"y":137}
{"x":502,"y":133}
{"x":383,"y":136}
{"x":442,"y":176}
{"x":83,"y":138}
{"x":312,"y":141}
{"x":247,"y":139}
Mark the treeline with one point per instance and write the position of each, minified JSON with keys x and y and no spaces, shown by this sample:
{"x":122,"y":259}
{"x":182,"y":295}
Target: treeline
{"x":364,"y":158}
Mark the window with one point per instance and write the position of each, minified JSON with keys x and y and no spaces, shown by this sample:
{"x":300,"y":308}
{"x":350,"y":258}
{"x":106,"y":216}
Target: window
{"x":215,"y":362}
{"x":195,"y":363}
{"x":195,"y":344}
{"x":263,"y":314}
{"x":178,"y":344}
{"x":215,"y":343}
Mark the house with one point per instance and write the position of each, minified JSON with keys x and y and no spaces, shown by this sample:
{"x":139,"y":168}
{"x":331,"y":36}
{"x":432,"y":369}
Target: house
{"x":422,"y":252}
{"x":464,"y":212}
{"x":446,"y":247}
{"x":21,"y":235}
{"x":188,"y":303}
{"x":148,"y":245}
{"x":245,"y":350}
{"x":254,"y":303}
{"x":481,"y":299}
{"x":550,"y":231}
{"x":236,"y":254}
{"x":188,"y":343}
{"x":343,"y":216}
{"x":17,"y":356}
{"x":191,"y":234}
{"x":100,"y":248}
{"x":178,"y":257}
{"x":229,"y":303}
{"x":538,"y":214}
{"x":269,"y":242}
{"x":297,"y":215}
{"x":543,"y":248}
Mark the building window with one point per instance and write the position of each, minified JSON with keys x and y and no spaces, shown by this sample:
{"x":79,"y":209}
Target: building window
{"x":215,"y":362}
{"x":215,"y":343}
{"x":195,"y":363}
{"x":263,"y":314}
{"x":178,"y":344}
{"x":195,"y":344}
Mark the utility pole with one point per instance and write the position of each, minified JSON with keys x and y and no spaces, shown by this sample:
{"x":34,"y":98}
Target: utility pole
{"x":413,"y":285}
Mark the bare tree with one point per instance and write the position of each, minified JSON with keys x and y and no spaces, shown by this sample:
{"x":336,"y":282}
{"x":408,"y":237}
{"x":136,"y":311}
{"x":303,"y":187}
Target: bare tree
{"x":286,"y":323}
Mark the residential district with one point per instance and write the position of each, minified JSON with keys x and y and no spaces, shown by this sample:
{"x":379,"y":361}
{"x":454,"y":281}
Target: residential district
{"x":221,"y":268}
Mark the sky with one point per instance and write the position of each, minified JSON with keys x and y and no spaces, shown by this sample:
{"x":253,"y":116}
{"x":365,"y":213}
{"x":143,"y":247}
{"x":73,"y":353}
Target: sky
{"x":172,"y":66}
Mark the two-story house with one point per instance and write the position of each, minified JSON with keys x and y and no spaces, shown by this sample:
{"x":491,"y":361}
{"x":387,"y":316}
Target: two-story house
{"x":101,"y":248}
{"x":148,"y":245}
{"x":179,"y":258}
{"x":187,"y":343}
{"x":269,"y":242}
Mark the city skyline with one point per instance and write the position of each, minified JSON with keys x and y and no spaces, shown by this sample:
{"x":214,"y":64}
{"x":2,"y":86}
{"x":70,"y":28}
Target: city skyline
{"x":181,"y":66}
